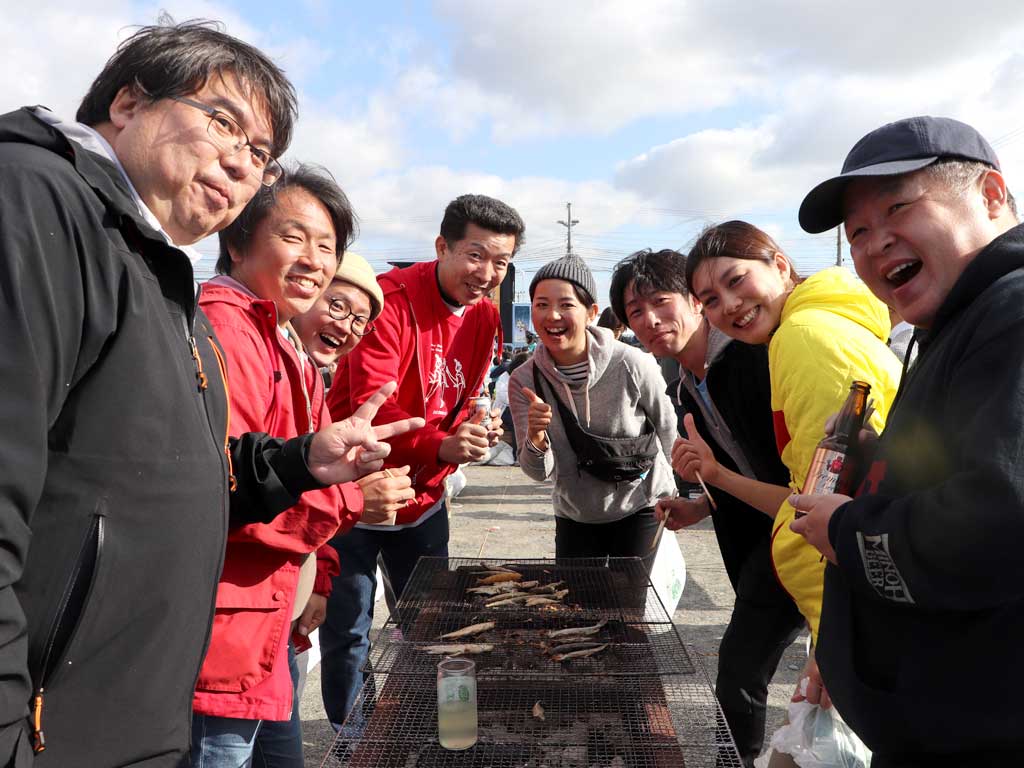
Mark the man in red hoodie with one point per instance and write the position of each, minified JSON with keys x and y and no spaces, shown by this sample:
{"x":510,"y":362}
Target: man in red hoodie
{"x":436,"y":337}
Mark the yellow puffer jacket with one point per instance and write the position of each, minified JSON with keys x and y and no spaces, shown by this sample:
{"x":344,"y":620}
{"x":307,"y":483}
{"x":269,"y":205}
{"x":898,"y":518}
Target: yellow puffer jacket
{"x":833,"y":331}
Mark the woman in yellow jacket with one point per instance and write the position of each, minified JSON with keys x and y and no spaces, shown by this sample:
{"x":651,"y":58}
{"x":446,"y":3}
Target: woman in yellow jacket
{"x":823,"y":333}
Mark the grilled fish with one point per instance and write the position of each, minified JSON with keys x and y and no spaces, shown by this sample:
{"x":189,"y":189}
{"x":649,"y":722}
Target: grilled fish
{"x":541,"y":600}
{"x":578,"y":631}
{"x":546,"y":588}
{"x":497,"y":578}
{"x":580,"y":645}
{"x":582,"y":654}
{"x":472,"y":629}
{"x":506,"y":600}
{"x":493,"y":589}
{"x":458,"y":649}
{"x":496,"y":568}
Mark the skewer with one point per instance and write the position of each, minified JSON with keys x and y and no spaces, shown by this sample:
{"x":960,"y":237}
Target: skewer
{"x":707,"y":493}
{"x":657,"y":534}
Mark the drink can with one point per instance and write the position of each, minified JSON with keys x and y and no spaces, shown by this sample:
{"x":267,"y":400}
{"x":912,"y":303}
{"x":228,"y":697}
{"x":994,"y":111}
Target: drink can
{"x":483,"y":402}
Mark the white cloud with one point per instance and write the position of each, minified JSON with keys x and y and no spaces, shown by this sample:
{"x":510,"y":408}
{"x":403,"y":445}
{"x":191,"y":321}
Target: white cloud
{"x":354,"y":148}
{"x":52,"y":53}
{"x":409,"y":204}
{"x":771,"y":164}
{"x":536,"y":67}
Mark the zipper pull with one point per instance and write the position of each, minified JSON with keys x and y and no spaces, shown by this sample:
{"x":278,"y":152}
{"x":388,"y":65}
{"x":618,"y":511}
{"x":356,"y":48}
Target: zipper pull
{"x":200,"y":375}
{"x":38,"y":739}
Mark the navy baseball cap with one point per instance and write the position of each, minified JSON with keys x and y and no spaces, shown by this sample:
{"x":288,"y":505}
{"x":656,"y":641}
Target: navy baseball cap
{"x":900,"y":147}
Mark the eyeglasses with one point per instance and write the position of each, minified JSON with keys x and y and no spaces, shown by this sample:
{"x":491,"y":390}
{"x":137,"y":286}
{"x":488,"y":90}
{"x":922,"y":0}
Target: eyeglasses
{"x":340,"y":310}
{"x":229,"y":136}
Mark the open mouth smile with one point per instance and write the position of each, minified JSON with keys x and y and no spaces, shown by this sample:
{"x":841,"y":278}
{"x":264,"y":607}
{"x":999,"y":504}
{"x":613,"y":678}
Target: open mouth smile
{"x":903,"y":273}
{"x":747,"y":318}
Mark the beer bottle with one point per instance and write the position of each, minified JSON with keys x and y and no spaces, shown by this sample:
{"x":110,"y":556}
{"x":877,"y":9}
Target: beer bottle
{"x":835,"y":465}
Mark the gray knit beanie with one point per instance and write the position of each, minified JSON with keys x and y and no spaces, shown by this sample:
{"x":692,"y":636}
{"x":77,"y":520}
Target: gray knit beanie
{"x":572,"y":270}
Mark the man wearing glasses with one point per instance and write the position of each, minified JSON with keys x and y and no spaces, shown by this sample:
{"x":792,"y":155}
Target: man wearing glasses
{"x":436,"y":336}
{"x":118,"y":469}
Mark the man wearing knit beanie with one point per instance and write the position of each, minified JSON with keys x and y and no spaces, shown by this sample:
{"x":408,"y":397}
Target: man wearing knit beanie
{"x":435,"y":336}
{"x":572,"y":269}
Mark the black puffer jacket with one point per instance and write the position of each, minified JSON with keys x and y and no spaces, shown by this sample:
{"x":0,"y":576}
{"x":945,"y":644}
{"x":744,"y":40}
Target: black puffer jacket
{"x":113,"y":464}
{"x":739,"y":387}
{"x":923,"y":620}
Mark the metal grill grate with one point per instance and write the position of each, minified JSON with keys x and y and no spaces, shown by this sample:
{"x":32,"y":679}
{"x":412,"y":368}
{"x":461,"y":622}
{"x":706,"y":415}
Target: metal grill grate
{"x":643,"y":702}
{"x":614,"y":722}
{"x":597,"y":587}
{"x":521,"y":648}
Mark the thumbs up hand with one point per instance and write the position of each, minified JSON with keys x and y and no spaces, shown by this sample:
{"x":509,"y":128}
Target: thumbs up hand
{"x":691,"y":455}
{"x":538,"y":418}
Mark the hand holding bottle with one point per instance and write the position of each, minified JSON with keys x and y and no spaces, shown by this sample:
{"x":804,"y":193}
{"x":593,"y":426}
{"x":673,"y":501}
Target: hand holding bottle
{"x":813,"y":514}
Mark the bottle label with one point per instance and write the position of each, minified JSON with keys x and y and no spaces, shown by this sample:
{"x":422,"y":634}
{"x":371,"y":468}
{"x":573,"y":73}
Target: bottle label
{"x":456,"y":689}
{"x":823,"y":475}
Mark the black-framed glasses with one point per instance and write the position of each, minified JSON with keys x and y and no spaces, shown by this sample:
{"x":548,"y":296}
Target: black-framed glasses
{"x":228,"y":135}
{"x":340,"y":310}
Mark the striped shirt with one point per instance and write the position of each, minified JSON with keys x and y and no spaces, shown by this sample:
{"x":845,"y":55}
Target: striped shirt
{"x":576,"y":371}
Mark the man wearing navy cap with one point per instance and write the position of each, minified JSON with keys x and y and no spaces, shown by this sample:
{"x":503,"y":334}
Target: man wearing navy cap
{"x":923,"y":616}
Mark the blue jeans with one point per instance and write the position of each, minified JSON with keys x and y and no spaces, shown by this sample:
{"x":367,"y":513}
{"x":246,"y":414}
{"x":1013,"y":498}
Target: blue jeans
{"x":345,"y":633}
{"x":222,"y":742}
{"x":279,"y":744}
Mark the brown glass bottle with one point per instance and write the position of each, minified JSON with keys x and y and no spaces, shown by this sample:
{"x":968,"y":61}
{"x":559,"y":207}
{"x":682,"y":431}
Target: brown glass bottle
{"x":835,"y":467}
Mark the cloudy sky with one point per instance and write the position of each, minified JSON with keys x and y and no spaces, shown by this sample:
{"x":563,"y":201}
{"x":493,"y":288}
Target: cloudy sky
{"x":652,"y":117}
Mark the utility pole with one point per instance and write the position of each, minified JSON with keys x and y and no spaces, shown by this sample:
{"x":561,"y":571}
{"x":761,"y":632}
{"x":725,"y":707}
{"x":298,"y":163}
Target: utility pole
{"x":839,"y":247}
{"x":569,"y":223}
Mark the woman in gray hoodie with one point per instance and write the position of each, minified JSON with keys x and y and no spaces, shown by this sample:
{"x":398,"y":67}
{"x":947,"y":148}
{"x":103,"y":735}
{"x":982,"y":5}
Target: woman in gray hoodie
{"x":581,"y":374}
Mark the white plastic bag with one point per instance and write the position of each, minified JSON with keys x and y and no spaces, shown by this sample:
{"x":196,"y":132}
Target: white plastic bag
{"x":816,"y":738}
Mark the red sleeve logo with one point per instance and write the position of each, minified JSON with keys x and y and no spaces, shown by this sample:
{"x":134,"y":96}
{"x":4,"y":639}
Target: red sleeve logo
{"x":874,"y":478}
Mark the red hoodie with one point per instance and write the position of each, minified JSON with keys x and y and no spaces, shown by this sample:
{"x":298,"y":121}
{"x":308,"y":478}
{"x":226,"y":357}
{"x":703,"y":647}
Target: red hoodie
{"x":439,"y":361}
{"x":245,"y":673}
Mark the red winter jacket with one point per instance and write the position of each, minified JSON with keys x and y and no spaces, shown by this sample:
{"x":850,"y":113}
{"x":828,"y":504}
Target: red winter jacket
{"x":245,"y":673}
{"x":413,"y":310}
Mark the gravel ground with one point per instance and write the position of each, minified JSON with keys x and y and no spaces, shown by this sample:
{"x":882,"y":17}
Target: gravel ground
{"x":502,"y":513}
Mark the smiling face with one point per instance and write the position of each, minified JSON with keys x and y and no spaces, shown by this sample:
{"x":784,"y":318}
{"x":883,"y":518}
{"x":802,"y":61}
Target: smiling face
{"x":663,"y":321}
{"x":911,"y":236}
{"x":561,"y":320}
{"x":290,"y":257}
{"x":192,"y":187}
{"x":744,"y":298}
{"x":326,"y":339}
{"x":474,"y":266}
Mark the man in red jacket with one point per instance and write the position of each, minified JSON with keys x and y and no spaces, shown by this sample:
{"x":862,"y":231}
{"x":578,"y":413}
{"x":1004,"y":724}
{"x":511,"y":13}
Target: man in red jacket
{"x":436,"y":337}
{"x":276,"y":260}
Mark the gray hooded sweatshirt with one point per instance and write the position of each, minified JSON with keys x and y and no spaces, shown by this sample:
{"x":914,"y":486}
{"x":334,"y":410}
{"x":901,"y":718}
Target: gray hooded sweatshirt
{"x":624,"y":386}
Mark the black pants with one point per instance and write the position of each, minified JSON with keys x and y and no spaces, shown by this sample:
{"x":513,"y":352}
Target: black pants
{"x":764,"y":622}
{"x":632,"y":536}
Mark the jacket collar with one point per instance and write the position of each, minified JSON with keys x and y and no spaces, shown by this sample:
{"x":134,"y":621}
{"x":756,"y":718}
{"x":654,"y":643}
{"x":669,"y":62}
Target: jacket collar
{"x":99,"y":173}
{"x":1000,"y":257}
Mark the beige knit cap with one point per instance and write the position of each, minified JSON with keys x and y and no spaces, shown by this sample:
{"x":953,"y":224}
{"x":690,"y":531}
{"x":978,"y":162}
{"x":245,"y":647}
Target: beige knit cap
{"x":356,"y":270}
